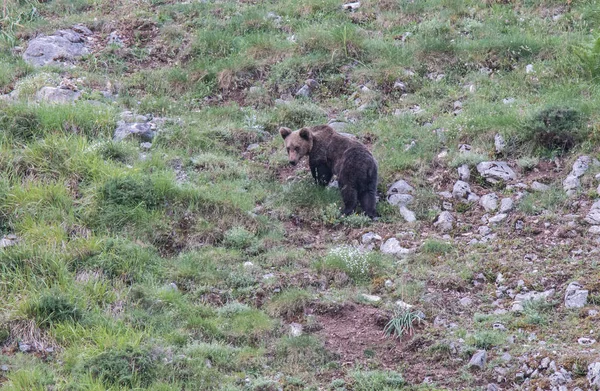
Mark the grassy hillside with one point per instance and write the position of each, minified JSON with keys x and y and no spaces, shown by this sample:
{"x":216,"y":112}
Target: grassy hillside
{"x":189,"y":256}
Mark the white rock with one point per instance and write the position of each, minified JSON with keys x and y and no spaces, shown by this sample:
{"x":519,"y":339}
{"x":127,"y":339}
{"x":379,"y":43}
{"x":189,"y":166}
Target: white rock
{"x":351,"y":6}
{"x":370,"y":237}
{"x":571,"y":182}
{"x":407,"y":214}
{"x":392,"y":246}
{"x":402,"y":305}
{"x":586,"y":341}
{"x":499,"y":143}
{"x":295,"y":329}
{"x":465,"y":301}
{"x":400,"y":187}
{"x":529,"y":68}
{"x":248,"y":264}
{"x":575,"y":296}
{"x":370,"y":298}
{"x":506,"y":205}
{"x":489,"y":202}
{"x":581,"y":165}
{"x":593,"y":375}
{"x":444,"y":222}
{"x":397,"y":199}
{"x":593,"y":217}
{"x":498,"y":218}
{"x":464,"y":173}
{"x":478,"y":360}
{"x":464,"y":148}
{"x":461,"y":190}
{"x":304,"y":91}
{"x":508,"y":101}
{"x":493,"y":172}
{"x":538,"y":186}
{"x":594,"y":230}
{"x":484,"y":230}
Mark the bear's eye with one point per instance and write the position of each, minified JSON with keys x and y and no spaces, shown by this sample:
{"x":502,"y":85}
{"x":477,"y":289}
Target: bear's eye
{"x":288,"y":149}
{"x":297,"y":149}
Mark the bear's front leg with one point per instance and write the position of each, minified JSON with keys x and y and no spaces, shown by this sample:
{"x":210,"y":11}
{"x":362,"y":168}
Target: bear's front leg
{"x":321,"y":173}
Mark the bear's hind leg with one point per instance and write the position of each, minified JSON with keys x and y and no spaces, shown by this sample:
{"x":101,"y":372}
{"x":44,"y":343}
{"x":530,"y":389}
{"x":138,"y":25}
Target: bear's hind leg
{"x":367,"y":203}
{"x":350,"y":197}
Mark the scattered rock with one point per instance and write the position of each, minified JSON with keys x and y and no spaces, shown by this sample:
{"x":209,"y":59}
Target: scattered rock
{"x":115,"y":39}
{"x":529,"y":68}
{"x":338,"y":126}
{"x":466,"y":301}
{"x":494,"y":172}
{"x":444,"y":222}
{"x":55,"y":95}
{"x":538,"y":186}
{"x":408,"y":215}
{"x":370,"y":238}
{"x":405,"y":306}
{"x":586,"y":341}
{"x":522,"y":298}
{"x":593,"y":375}
{"x":304,"y":91}
{"x":498,"y":218}
{"x":252,"y":147}
{"x":575,"y":296}
{"x":506,"y":205}
{"x":593,"y":217}
{"x":464,"y":148}
{"x":508,"y":101}
{"x":8,"y":240}
{"x":478,"y":360}
{"x":4,"y":368}
{"x":392,"y":246}
{"x":62,"y":48}
{"x":398,"y":85}
{"x":295,"y":329}
{"x":499,"y":143}
{"x":370,"y":298}
{"x":461,"y":190}
{"x":248,"y":264}
{"x":492,"y":387}
{"x":143,"y":131}
{"x":594,"y":230}
{"x":146,"y":146}
{"x":24,"y":347}
{"x":351,"y":6}
{"x":464,"y":173}
{"x":581,"y":165}
{"x":489,"y":202}
{"x":400,"y":187}
{"x":400,"y":199}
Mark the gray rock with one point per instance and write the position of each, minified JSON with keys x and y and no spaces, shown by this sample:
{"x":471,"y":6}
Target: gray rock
{"x":594,"y":230}
{"x":55,"y":95}
{"x":115,"y":39}
{"x":506,"y":205}
{"x":445,"y":194}
{"x":408,"y":215}
{"x":351,"y":6}
{"x":593,"y":375}
{"x":4,"y":368}
{"x":252,"y":147}
{"x":499,"y":143}
{"x":519,"y":225}
{"x":392,"y":246}
{"x":586,"y":341}
{"x":370,"y":237}
{"x":146,"y":146}
{"x":492,"y":387}
{"x":8,"y":240}
{"x":338,"y":126}
{"x":538,"y":186}
{"x":472,"y":197}
{"x":461,"y":190}
{"x":398,"y":85}
{"x":349,"y":135}
{"x":593,"y":217}
{"x":304,"y":91}
{"x":248,"y":265}
{"x":498,"y":218}
{"x":142,"y":131}
{"x":478,"y":360}
{"x":370,"y":298}
{"x":529,"y":68}
{"x":499,"y":327}
{"x":494,"y":172}
{"x":581,"y":165}
{"x":400,"y":199}
{"x":575,"y":296}
{"x":508,"y":101}
{"x":464,"y":173}
{"x":64,"y":47}
{"x":464,"y":148}
{"x":489,"y":202}
{"x":522,"y":298}
{"x":295,"y":329}
{"x":405,"y":306}
{"x":24,"y":347}
{"x":571,"y":182}
{"x":465,"y":301}
{"x":400,"y":187}
{"x":506,"y":357}
{"x":444,"y":222}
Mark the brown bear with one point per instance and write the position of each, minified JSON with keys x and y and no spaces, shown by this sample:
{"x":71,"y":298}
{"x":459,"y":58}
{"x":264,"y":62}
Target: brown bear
{"x":330,"y":153}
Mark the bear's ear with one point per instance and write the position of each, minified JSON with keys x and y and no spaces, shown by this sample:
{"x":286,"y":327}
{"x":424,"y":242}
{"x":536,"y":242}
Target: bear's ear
{"x":305,"y":134}
{"x":284,"y":132}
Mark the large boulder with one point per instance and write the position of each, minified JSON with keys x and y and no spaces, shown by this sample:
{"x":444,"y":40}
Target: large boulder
{"x":62,"y":48}
{"x":495,"y":172}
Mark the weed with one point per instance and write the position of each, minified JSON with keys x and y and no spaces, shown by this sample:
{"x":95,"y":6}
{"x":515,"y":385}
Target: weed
{"x":487,"y":339}
{"x":555,"y":129}
{"x":377,"y":380}
{"x":128,"y":367}
{"x":359,"y":265}
{"x":290,"y":303}
{"x":53,"y":308}
{"x":433,"y":246}
{"x":402,"y":323}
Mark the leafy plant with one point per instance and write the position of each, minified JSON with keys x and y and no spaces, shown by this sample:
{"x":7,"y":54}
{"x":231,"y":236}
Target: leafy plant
{"x":555,"y":129}
{"x":589,"y":57}
{"x":402,"y":323}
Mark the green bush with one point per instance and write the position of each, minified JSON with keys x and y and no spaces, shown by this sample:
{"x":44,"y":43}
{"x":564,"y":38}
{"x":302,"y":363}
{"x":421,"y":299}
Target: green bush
{"x":131,"y":192}
{"x":129,"y":367}
{"x":53,"y":308}
{"x":238,"y":237}
{"x":555,"y":129}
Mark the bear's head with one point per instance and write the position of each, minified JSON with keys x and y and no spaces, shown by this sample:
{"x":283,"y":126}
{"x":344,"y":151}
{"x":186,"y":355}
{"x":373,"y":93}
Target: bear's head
{"x":298,"y":144}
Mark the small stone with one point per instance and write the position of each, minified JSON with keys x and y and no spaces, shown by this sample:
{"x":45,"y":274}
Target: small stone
{"x":571,"y":182}
{"x":498,"y":218}
{"x":492,"y":387}
{"x":400,"y":187}
{"x":370,"y":298}
{"x":519,"y":225}
{"x":489,"y":202}
{"x":398,"y":85}
{"x":400,"y":199}
{"x":494,"y":172}
{"x":4,"y":368}
{"x":575,"y":296}
{"x":252,"y":147}
{"x":593,"y":375}
{"x":146,"y":145}
{"x":24,"y":347}
{"x":268,"y":276}
{"x":370,"y":237}
{"x":593,"y":217}
{"x":248,"y":264}
{"x":351,"y":6}
{"x":464,"y":173}
{"x":404,"y":306}
{"x":408,"y":215}
{"x":389,"y":284}
{"x":478,"y":360}
{"x":506,"y":205}
{"x":172,"y":287}
{"x":484,"y":230}
{"x":295,"y":329}
{"x":508,"y":101}
{"x":464,"y":148}
{"x":499,"y":143}
{"x":506,"y":357}
{"x":499,"y":327}
{"x":529,"y":68}
{"x":444,"y":222}
{"x":538,"y":186}
{"x":392,"y":246}
{"x":461,"y":190}
{"x":594,"y":230}
{"x":114,"y":39}
{"x":586,"y":341}
{"x":304,"y":91}
{"x":465,"y":301}
{"x":144,"y":131}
